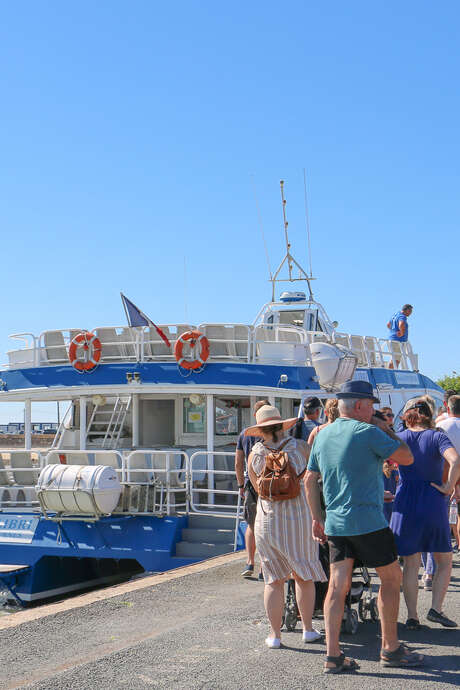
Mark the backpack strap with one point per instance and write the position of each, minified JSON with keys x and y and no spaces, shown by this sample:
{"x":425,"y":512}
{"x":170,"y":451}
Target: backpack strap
{"x":278,"y":450}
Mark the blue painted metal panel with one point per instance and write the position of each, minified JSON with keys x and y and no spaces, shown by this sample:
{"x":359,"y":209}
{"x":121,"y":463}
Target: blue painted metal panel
{"x":216,"y":373}
{"x":429,"y":383}
{"x":76,"y":552}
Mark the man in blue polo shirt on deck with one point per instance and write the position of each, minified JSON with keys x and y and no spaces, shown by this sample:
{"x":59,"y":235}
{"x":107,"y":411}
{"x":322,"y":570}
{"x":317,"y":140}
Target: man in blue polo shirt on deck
{"x":399,"y":332}
{"x":348,"y":455}
{"x":398,"y":326}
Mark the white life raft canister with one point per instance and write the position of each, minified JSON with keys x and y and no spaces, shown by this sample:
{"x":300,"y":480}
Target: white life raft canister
{"x":79,"y":489}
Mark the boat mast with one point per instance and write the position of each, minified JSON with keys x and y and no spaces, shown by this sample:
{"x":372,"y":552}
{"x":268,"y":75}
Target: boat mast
{"x":289,"y":258}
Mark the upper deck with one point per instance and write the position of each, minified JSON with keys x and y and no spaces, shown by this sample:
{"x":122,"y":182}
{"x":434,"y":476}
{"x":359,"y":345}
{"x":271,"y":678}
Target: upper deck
{"x":284,"y":340}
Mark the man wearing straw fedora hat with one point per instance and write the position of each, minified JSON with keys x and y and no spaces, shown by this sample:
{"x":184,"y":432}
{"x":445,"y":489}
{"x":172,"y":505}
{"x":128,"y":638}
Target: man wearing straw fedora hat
{"x":349,"y":456}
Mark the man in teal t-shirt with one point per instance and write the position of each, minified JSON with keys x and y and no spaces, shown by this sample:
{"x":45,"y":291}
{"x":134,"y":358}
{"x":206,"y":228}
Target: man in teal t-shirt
{"x":348,"y":455}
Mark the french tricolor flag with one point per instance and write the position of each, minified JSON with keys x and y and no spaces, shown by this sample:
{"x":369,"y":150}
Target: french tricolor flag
{"x":136,"y":317}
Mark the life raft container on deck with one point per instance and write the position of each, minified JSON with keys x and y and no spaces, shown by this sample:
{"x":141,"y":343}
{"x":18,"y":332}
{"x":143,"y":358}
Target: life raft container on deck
{"x":78,"y":489}
{"x":91,"y":345}
{"x":193,"y":338}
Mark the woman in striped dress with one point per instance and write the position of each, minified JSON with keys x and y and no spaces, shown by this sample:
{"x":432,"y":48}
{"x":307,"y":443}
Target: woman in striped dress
{"x":283,"y":531}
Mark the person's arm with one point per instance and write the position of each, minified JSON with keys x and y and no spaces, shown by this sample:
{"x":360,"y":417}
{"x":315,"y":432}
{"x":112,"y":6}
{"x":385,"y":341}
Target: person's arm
{"x":314,"y":503}
{"x":402,"y":455}
{"x":239,"y":469}
{"x":451,"y":456}
{"x":252,"y":474}
{"x":389,"y":324}
{"x":401,"y":327}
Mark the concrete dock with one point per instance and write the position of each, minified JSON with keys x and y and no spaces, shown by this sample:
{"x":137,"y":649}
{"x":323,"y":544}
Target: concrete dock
{"x":202,"y":627}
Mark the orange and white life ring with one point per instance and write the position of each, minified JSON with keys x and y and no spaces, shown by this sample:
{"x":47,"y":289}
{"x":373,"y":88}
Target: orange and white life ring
{"x":92,"y":351}
{"x":193,"y":338}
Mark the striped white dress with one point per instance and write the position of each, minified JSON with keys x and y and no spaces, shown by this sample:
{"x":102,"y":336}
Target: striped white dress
{"x":283,"y":528}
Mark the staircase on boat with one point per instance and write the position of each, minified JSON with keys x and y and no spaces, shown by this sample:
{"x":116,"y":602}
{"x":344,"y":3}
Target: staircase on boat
{"x":106,"y":423}
{"x":206,"y":536}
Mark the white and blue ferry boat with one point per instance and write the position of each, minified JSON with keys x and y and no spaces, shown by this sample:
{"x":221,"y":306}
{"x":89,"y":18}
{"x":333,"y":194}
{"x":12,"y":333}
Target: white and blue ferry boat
{"x":140,"y":474}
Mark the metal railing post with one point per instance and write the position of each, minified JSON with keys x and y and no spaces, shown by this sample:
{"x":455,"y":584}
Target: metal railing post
{"x":82,"y":423}
{"x":168,"y":486}
{"x":28,"y":424}
{"x":210,"y":442}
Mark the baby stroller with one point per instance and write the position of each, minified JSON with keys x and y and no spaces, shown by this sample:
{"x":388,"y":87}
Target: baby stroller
{"x":360,"y":593}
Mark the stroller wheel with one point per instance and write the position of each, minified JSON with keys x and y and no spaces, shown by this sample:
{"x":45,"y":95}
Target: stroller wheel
{"x":374,"y":609}
{"x":363,"y":610}
{"x":350,"y":624}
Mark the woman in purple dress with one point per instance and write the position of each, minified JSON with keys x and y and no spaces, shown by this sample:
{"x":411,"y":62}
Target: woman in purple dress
{"x":420,"y":519}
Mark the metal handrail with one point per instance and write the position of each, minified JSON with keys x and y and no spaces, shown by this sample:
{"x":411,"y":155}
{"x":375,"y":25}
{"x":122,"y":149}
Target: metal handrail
{"x":167,"y":480}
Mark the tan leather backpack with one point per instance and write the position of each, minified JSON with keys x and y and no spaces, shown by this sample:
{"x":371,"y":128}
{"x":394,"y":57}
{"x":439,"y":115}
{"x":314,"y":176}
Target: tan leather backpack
{"x":278,"y":480}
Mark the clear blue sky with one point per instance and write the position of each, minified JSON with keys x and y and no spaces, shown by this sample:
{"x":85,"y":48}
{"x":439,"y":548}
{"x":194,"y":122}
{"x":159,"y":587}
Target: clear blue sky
{"x":130,"y":131}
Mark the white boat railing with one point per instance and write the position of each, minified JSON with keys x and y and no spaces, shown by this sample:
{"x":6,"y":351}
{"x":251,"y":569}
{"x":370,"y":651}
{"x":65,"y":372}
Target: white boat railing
{"x":164,"y":474}
{"x":155,"y":482}
{"x":264,"y":343}
{"x":212,"y":485}
{"x":19,"y":470}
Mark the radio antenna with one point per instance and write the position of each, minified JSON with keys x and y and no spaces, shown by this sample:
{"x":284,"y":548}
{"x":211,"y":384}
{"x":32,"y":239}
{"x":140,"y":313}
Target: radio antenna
{"x":185,"y":290}
{"x":261,"y":225}
{"x":288,"y":257}
{"x":307,"y":219}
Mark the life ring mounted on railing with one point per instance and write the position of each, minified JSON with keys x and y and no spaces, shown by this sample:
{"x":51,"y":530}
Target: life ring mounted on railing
{"x":92,"y":349}
{"x":192,"y":338}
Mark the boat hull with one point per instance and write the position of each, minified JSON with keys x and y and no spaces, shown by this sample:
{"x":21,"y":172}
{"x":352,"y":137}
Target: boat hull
{"x":77,"y":555}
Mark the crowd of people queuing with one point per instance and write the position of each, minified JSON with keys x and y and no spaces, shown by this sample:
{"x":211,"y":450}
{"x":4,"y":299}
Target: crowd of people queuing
{"x":373,"y":494}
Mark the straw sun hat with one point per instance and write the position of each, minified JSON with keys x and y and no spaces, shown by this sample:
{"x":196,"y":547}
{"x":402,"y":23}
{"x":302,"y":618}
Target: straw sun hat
{"x":267,"y":416}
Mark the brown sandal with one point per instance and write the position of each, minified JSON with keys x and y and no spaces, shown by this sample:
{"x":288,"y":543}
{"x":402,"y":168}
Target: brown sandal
{"x":340,"y":664}
{"x":401,"y":657}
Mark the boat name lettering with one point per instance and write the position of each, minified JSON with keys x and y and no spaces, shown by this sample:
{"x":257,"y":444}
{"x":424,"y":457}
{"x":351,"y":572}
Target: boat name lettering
{"x":14,"y":523}
{"x":19,"y":529}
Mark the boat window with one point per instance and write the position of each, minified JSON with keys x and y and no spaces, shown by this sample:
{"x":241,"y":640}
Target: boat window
{"x":194,"y":416}
{"x":293,"y":318}
{"x":439,"y":408}
{"x":312,"y":322}
{"x":231,"y":415}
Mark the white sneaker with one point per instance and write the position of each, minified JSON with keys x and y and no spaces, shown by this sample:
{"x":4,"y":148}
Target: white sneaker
{"x":273,"y":642}
{"x":311,"y":635}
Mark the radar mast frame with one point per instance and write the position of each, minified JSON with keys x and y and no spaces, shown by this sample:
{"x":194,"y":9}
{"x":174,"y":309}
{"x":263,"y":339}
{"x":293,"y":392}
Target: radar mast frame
{"x":303,"y":275}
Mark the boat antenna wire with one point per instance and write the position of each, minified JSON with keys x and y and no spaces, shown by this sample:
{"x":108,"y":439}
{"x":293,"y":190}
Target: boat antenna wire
{"x":185,"y":290}
{"x":261,"y":225}
{"x":307,"y":220}
{"x":288,"y":257}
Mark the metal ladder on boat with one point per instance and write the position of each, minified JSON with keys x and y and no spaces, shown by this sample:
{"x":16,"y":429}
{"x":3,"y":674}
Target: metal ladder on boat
{"x":107,"y":423}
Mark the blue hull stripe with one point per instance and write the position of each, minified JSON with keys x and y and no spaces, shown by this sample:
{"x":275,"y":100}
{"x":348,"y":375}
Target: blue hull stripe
{"x":216,"y":373}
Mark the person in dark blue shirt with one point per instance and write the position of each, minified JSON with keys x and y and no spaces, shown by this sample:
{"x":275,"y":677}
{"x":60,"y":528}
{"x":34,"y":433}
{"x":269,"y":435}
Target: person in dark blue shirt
{"x":312,"y":410}
{"x":248,"y":493}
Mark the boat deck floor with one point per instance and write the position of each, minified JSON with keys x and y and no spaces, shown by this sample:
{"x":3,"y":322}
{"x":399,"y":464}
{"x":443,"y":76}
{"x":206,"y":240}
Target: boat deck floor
{"x":200,"y":627}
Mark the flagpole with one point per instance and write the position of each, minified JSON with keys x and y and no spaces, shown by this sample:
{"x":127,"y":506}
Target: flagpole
{"x":124,"y":307}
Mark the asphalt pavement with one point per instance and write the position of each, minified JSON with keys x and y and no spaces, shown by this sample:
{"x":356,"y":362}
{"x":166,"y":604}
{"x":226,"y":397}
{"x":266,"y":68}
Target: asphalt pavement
{"x":206,"y":630}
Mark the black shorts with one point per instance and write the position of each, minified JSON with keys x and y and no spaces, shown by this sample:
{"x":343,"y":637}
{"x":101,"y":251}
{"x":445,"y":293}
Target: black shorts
{"x":373,"y":550}
{"x":250,"y":505}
